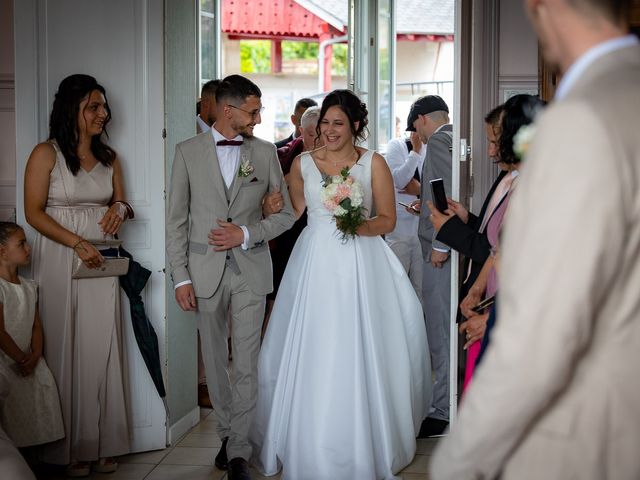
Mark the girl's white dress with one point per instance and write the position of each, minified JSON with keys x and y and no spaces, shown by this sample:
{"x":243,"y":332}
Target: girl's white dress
{"x":344,"y":370}
{"x":30,"y":414}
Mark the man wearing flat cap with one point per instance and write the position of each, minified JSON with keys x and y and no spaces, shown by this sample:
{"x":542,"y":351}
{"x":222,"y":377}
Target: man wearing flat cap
{"x":429,"y":117}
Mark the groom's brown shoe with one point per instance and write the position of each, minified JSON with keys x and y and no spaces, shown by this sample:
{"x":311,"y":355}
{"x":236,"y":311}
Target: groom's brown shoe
{"x":239,"y":469}
{"x":221,"y":461}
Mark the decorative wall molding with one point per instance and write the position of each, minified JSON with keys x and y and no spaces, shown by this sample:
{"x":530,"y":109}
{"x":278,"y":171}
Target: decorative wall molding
{"x":7,"y":194}
{"x":486,"y":38}
{"x":7,"y":93}
{"x":137,"y":234}
{"x":7,"y":80}
{"x":511,"y":85}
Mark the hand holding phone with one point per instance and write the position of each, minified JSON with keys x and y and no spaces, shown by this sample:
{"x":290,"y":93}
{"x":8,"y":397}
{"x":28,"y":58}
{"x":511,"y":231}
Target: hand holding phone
{"x":409,"y":207}
{"x":406,"y":205}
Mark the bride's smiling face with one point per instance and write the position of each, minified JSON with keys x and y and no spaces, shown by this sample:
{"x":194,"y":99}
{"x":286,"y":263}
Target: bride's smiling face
{"x":335,"y":129}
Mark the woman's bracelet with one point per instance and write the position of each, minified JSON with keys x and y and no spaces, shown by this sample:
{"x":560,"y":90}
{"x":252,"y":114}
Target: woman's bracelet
{"x":78,"y":243}
{"x":130,"y":213}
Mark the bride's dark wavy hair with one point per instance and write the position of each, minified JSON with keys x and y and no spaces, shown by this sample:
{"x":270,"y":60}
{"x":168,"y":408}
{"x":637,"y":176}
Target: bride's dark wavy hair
{"x":353,"y":108}
{"x":63,"y":122}
{"x":518,"y":111}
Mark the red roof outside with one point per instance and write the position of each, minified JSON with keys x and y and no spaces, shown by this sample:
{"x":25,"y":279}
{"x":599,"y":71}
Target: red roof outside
{"x":268,"y":18}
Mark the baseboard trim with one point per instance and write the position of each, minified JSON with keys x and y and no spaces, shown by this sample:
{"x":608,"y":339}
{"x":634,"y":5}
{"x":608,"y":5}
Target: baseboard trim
{"x":182,"y":426}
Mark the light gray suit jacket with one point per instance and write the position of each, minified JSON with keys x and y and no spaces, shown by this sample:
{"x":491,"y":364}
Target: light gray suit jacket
{"x":437,"y":164}
{"x":557,"y":395}
{"x":198,"y":199}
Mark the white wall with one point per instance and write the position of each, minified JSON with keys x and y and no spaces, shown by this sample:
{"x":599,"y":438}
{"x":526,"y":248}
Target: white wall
{"x":518,"y":65}
{"x":7,"y":113}
{"x":505,"y":61}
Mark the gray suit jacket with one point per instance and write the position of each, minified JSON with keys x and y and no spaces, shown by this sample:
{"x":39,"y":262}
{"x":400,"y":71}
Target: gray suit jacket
{"x":437,"y":164}
{"x":557,"y":394}
{"x":197,"y":199}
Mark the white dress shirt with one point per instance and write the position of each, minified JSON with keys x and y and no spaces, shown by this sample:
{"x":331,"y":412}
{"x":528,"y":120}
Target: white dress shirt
{"x":228,"y":156}
{"x":403,"y":164}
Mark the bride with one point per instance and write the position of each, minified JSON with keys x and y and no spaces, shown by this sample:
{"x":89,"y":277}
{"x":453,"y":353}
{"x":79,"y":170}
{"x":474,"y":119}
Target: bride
{"x":344,"y":370}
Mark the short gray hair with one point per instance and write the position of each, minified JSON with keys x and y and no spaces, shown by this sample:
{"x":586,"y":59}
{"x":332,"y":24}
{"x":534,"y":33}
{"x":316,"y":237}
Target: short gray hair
{"x":310,"y":116}
{"x":439,"y":116}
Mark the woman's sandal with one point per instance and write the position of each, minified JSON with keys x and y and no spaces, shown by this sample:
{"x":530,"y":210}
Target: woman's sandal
{"x":78,"y":470}
{"x":105,"y":465}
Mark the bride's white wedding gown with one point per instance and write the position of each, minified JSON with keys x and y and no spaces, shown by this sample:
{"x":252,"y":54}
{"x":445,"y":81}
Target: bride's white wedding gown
{"x":344,"y":370}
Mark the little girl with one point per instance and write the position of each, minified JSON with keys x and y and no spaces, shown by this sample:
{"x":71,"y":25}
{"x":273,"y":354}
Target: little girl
{"x":31,"y":413}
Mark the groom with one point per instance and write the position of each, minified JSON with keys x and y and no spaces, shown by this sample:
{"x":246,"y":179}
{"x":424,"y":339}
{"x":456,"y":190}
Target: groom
{"x":218,"y":253}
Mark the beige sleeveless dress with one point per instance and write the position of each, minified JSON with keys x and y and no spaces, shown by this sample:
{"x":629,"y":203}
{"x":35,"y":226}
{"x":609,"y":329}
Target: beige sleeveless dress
{"x":31,"y":412}
{"x":81,"y":323}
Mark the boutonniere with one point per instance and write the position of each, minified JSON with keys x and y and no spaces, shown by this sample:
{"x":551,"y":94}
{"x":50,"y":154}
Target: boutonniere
{"x":246,"y":168}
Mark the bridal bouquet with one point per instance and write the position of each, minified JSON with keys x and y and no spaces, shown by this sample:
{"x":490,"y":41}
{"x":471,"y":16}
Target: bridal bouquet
{"x":342,"y":195}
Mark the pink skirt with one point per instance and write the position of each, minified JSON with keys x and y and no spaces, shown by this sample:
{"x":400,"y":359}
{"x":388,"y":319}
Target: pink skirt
{"x":472,"y":355}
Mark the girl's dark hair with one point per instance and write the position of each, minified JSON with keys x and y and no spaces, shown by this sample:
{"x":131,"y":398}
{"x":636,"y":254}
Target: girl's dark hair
{"x":353,"y":108}
{"x":519,"y":110}
{"x":63,"y":123}
{"x":6,"y":230}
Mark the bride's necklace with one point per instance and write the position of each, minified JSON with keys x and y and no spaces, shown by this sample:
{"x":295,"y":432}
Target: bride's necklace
{"x":344,"y":159}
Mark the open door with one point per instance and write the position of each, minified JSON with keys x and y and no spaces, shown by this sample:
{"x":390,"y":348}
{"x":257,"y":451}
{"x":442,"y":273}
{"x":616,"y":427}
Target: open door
{"x":55,"y":39}
{"x":461,"y":113}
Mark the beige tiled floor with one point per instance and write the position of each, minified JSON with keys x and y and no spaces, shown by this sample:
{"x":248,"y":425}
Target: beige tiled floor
{"x":192,"y":459}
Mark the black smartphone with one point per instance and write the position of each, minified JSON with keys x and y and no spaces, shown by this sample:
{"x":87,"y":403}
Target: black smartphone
{"x":438,"y":194}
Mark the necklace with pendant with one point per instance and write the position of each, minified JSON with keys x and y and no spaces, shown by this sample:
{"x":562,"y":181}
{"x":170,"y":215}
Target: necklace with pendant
{"x":344,"y":159}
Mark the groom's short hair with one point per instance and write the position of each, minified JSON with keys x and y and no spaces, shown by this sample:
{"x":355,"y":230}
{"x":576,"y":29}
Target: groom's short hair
{"x":235,"y":89}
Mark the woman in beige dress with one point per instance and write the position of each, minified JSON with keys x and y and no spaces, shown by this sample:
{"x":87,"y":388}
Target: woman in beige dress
{"x":73,"y":192}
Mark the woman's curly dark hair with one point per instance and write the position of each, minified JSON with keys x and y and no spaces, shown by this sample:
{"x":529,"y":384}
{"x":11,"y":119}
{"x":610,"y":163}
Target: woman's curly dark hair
{"x":518,"y":111}
{"x":353,"y":108}
{"x":63,"y":123}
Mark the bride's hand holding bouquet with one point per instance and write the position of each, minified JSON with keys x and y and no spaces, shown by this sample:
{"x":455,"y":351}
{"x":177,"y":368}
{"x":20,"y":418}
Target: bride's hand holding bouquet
{"x":342,"y":195}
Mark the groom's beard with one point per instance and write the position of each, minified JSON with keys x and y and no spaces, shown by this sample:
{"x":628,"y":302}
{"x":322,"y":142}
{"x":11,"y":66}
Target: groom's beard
{"x":244,"y":129}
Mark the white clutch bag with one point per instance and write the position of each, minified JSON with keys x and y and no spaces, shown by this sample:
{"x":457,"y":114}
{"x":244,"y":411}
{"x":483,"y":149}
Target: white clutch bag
{"x":113,"y":266}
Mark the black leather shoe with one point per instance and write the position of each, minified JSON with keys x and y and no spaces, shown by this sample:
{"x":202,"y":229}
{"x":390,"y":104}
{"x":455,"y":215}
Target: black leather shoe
{"x":239,"y":469}
{"x":221,"y":461}
{"x":432,"y":427}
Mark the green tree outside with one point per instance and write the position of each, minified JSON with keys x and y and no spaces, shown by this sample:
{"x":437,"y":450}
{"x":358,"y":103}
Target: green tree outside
{"x":255,"y":55}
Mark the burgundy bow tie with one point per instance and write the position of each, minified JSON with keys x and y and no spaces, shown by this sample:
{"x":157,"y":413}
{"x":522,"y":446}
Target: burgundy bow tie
{"x":233,"y":143}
